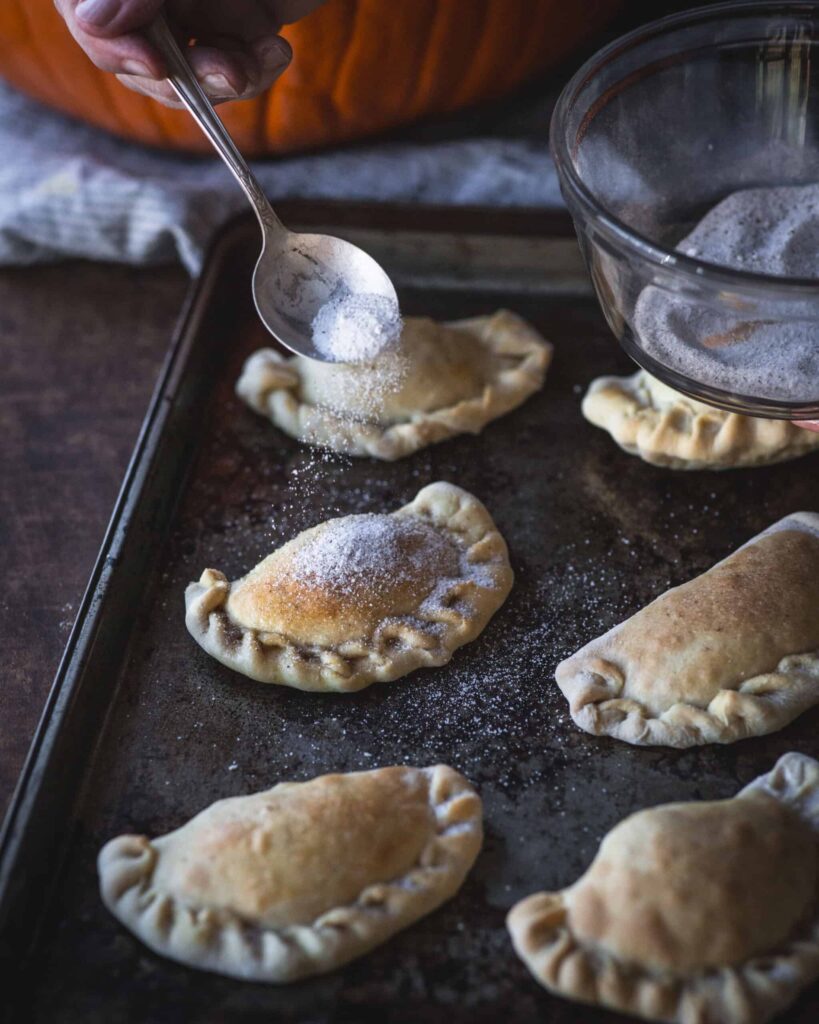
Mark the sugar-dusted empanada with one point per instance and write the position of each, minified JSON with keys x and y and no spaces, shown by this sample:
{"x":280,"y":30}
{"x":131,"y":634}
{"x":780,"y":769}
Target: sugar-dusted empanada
{"x":691,"y":913}
{"x":301,"y":878}
{"x":359,"y":599}
{"x":666,"y":428}
{"x":730,"y":654}
{"x":441,"y":380}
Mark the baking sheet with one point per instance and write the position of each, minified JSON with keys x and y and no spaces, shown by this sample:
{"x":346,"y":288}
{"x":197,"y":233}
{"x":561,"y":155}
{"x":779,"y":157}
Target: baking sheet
{"x":593,"y":533}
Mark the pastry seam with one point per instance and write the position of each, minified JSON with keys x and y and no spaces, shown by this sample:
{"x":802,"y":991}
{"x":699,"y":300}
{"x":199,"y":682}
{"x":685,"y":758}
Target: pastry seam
{"x":758,"y":705}
{"x":686,"y":434}
{"x":454,"y":614}
{"x":748,"y":993}
{"x":222,"y":941}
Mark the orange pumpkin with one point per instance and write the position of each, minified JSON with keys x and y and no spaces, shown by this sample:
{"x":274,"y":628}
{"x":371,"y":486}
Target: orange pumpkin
{"x":360,"y":67}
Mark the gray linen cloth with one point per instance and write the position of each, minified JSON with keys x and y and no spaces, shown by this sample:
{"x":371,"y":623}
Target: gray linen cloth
{"x":70,"y":190}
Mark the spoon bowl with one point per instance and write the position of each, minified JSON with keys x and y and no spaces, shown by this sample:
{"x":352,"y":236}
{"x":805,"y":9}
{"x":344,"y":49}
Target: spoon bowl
{"x":295,"y":274}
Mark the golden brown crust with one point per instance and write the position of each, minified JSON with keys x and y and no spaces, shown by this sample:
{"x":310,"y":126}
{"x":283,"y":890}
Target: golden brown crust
{"x":301,"y":878}
{"x":690,"y":913}
{"x":666,"y":428}
{"x":278,"y":596}
{"x":457,"y":378}
{"x":732,"y":653}
{"x":319,"y":637}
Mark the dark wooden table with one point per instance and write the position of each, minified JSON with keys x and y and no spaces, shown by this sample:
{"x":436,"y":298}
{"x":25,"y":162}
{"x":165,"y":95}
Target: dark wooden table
{"x":80,"y":348}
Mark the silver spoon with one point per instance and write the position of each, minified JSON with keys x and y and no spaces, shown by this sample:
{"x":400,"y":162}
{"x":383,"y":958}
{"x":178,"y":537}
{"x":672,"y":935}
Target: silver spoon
{"x":295,"y":274}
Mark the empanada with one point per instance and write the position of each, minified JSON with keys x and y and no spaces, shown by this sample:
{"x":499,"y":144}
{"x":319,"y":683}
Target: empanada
{"x":730,"y":654}
{"x":359,"y":599}
{"x":441,"y":380}
{"x":298,"y":879}
{"x":666,"y":428}
{"x":692,"y":913}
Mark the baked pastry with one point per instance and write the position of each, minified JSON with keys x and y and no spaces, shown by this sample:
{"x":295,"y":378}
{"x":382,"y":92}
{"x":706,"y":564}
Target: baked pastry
{"x":439,"y":381}
{"x":692,"y":913}
{"x":359,"y":599}
{"x":664,"y":427}
{"x":730,"y":654}
{"x":300,"y":878}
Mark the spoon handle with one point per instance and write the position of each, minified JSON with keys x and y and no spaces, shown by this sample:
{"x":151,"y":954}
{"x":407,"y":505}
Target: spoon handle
{"x":190,"y":92}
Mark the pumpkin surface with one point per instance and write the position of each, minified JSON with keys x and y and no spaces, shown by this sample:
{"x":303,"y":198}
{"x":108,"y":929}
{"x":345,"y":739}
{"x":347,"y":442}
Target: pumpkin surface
{"x":360,"y":67}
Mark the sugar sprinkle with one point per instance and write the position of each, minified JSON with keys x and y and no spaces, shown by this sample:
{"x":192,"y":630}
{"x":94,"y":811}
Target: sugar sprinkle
{"x":355,"y":327}
{"x":372,"y":552}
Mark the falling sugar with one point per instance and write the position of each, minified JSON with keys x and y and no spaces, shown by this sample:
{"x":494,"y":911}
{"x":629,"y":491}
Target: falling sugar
{"x":356,"y":327}
{"x":353,"y":393}
{"x":762,"y":231}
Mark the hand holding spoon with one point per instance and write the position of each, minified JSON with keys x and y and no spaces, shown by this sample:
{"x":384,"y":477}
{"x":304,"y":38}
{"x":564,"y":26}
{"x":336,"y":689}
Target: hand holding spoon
{"x":296,"y":275}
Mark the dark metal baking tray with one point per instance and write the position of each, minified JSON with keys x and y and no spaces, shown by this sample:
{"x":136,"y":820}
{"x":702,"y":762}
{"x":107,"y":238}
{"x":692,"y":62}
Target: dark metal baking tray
{"x":142,"y":729}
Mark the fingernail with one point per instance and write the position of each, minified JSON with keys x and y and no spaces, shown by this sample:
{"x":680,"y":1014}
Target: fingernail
{"x":275,"y":51}
{"x":136,"y":67}
{"x":97,"y":12}
{"x":219,"y":85}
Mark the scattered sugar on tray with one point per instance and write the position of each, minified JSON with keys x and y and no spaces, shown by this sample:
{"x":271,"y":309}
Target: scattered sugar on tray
{"x":67,"y":621}
{"x":354,"y":327}
{"x":496,"y":693}
{"x":500,"y":689}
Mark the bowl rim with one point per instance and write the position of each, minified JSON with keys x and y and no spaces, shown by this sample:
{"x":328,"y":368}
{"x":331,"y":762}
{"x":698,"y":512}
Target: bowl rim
{"x":699,"y":272}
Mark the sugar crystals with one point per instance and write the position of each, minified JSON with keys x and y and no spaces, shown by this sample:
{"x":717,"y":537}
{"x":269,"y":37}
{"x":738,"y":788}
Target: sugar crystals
{"x":355,"y":327}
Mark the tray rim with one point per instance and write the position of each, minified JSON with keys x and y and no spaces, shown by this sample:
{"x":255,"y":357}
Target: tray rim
{"x":83,"y":631}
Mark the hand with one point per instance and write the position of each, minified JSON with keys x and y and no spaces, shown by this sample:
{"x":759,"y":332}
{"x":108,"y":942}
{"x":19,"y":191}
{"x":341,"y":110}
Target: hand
{"x":807,"y":424}
{"x":238,"y":52}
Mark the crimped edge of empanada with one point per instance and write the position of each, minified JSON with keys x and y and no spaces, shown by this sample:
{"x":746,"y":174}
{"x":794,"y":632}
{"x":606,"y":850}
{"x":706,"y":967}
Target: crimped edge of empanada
{"x":453,"y":615}
{"x":759,"y":705}
{"x":749,"y":993}
{"x":270,"y":384}
{"x":221,"y":941}
{"x":687,"y":434}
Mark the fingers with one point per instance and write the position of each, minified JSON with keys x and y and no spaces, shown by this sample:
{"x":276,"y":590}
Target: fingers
{"x":238,"y":53}
{"x":228,"y":73}
{"x":807,"y":425}
{"x":131,"y":55}
{"x":158,"y":90}
{"x":224,"y":75}
{"x":127,"y":53}
{"x":110,"y":18}
{"x":228,"y":66}
{"x":272,"y":53}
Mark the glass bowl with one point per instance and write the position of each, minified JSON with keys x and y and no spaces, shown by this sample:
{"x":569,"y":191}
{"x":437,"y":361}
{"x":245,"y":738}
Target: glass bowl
{"x":648,"y":136}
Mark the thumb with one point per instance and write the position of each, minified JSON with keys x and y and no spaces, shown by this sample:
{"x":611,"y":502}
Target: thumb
{"x":107,"y":18}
